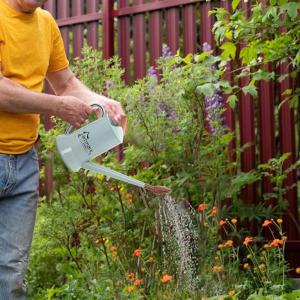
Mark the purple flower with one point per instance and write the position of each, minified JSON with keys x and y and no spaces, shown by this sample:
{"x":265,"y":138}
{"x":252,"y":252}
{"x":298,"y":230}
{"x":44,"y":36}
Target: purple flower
{"x":213,"y":108}
{"x":166,"y":51}
{"x":167,"y":109}
{"x":206,"y":47}
{"x":152,"y":72}
{"x":108,"y":84}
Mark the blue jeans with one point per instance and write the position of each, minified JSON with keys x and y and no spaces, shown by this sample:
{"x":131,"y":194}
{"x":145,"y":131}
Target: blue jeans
{"x":18,"y":202}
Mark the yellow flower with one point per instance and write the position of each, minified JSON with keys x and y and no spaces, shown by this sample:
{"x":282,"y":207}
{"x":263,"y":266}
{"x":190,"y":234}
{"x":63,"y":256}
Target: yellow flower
{"x":262,"y":267}
{"x":234,"y":221}
{"x":298,"y":270}
{"x":246,"y":266}
{"x":129,"y":289}
{"x":279,"y":221}
{"x":231,"y":293}
{"x":218,"y":268}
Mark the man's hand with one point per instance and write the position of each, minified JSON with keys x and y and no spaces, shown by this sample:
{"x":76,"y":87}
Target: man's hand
{"x":115,"y":111}
{"x":65,"y":83}
{"x":73,"y":110}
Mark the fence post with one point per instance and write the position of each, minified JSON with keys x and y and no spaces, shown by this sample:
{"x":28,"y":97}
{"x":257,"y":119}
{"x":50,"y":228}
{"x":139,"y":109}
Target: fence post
{"x":108,"y":28}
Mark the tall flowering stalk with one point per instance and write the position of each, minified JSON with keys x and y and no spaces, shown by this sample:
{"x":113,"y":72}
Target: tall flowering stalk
{"x":214,"y":106}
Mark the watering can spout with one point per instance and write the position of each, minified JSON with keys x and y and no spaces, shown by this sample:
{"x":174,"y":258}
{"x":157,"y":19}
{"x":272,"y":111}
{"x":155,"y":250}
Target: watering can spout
{"x":111,"y":173}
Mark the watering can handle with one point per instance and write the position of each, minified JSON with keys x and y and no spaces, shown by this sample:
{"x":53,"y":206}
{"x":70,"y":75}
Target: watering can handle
{"x":70,"y":128}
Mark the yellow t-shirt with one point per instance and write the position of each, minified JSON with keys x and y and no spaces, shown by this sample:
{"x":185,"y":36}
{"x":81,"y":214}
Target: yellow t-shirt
{"x":30,"y":46}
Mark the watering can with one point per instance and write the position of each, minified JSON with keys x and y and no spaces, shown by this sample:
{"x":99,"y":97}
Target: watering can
{"x":77,"y":148}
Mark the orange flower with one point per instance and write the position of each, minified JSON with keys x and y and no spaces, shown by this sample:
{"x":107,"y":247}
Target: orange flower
{"x":248,"y":240}
{"x":113,"y":248}
{"x":214,"y":211}
{"x":229,"y":243}
{"x":222,"y":222}
{"x":231,"y":293}
{"x":166,"y":278}
{"x":150,"y":259}
{"x":246,"y":266}
{"x":276,"y":243}
{"x":298,"y":270}
{"x":137,"y":282}
{"x":137,"y":252}
{"x":266,"y":223}
{"x":201,"y":207}
{"x":131,"y":275}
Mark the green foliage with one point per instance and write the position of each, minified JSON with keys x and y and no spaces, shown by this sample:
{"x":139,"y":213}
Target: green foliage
{"x":97,"y":238}
{"x":269,"y":34}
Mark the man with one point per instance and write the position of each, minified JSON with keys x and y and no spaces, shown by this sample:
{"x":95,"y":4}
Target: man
{"x":31,"y":49}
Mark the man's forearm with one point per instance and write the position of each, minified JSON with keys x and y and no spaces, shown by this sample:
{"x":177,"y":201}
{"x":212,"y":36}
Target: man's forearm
{"x":15,"y":98}
{"x":75,"y":88}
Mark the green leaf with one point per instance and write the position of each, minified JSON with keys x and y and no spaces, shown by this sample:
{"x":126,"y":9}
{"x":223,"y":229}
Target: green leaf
{"x":202,"y":56}
{"x":229,"y":50}
{"x":250,"y":89}
{"x":294,"y":102}
{"x":292,"y":9}
{"x":235,"y":4}
{"x":287,"y":92}
{"x":232,"y":100}
{"x":206,"y":89}
{"x":273,"y":2}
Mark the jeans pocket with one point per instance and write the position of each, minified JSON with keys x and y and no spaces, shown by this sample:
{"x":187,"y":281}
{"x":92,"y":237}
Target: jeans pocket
{"x":3,"y":172}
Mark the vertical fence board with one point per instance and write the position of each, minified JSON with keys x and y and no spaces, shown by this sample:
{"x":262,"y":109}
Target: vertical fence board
{"x":63,"y":13}
{"x":189,"y":29}
{"x":247,"y":135}
{"x":123,"y":41}
{"x":51,"y":7}
{"x":173,"y":29}
{"x":155,"y":33}
{"x":288,"y":145}
{"x":229,"y":113}
{"x":267,"y":122}
{"x":77,"y":10}
{"x":139,"y":51}
{"x":108,"y":29}
{"x":92,"y":27}
{"x":206,"y":35}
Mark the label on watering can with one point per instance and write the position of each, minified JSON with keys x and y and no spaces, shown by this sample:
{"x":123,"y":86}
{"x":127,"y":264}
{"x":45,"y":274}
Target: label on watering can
{"x":84,"y":140}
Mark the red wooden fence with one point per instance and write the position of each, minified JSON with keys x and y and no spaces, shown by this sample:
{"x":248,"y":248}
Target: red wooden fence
{"x":136,"y":30}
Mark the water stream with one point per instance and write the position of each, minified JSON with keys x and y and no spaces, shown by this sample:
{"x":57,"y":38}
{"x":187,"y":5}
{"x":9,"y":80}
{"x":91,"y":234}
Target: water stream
{"x":179,"y":241}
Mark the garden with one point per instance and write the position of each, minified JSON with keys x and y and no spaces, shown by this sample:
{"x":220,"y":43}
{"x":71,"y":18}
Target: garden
{"x":99,"y":238}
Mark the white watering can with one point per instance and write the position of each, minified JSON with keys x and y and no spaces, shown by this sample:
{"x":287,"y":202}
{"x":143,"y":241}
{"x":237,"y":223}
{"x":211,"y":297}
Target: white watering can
{"x":77,"y":148}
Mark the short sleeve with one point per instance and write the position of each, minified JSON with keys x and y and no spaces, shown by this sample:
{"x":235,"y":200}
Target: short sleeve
{"x":58,"y":59}
{"x":1,"y":42}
